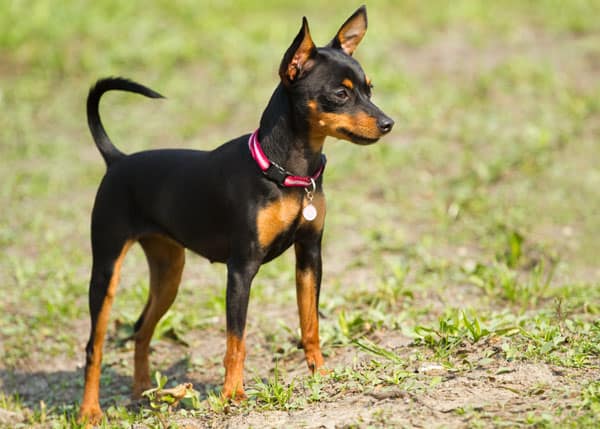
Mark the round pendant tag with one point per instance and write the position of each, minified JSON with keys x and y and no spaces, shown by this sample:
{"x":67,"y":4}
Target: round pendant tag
{"x":309,"y":212}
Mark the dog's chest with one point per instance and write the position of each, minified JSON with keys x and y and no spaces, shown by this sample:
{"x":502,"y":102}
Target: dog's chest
{"x":278,"y":221}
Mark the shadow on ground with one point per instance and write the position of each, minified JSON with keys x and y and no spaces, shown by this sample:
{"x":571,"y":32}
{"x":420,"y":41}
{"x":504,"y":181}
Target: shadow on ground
{"x":63,"y":389}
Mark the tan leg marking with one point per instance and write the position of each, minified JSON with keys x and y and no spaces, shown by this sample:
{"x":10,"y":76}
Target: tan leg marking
{"x":165,"y":260}
{"x":306,"y":294}
{"x":233,"y":387}
{"x":90,"y":410}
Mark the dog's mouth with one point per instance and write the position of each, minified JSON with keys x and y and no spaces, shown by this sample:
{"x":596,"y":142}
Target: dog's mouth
{"x":356,"y":138}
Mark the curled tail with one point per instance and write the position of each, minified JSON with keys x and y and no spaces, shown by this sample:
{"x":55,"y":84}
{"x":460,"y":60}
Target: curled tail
{"x":107,"y":149}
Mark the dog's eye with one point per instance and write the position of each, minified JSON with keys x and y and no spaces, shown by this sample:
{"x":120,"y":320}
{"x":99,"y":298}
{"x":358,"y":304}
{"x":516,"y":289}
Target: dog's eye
{"x":342,"y":94}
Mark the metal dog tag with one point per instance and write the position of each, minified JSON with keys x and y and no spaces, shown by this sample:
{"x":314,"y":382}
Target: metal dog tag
{"x":309,"y":212}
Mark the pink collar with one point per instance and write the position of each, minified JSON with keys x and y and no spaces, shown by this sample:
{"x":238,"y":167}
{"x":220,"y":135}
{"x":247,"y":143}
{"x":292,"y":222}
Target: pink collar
{"x":277,"y":173}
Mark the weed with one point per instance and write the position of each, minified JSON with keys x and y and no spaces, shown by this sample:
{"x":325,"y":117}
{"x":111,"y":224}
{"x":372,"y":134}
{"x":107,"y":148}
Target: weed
{"x":352,"y":325}
{"x":591,"y":397}
{"x":456,"y":328}
{"x":315,"y":387}
{"x":273,"y":394}
{"x":378,"y":351}
{"x":10,"y":403}
{"x":500,"y":281}
{"x":217,"y":403}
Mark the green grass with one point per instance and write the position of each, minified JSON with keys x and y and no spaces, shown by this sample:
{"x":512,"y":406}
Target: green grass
{"x":466,"y":241}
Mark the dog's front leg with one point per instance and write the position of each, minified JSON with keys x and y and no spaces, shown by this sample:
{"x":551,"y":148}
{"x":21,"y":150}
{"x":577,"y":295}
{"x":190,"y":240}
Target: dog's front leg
{"x":308,"y":285}
{"x":240,"y":273}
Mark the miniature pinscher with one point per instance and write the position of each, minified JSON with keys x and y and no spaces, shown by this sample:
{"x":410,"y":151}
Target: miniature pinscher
{"x":242,"y":204}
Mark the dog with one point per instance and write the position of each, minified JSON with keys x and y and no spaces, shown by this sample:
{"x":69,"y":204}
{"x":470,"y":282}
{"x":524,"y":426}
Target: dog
{"x":241,"y":204}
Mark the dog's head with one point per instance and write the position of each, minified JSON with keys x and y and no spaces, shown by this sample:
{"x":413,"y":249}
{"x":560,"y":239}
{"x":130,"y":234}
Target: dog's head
{"x":331,"y":85}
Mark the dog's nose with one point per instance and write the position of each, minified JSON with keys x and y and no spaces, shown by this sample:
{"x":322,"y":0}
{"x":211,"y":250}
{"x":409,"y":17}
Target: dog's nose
{"x":385,"y":124}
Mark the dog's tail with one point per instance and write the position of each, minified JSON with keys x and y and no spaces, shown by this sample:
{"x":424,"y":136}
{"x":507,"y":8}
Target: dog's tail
{"x":107,"y":149}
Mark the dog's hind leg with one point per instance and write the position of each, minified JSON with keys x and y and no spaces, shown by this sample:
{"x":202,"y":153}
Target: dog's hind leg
{"x":166,"y":260}
{"x":103,"y":285}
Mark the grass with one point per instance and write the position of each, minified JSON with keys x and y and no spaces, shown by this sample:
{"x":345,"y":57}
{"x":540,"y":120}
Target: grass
{"x":461,"y":249}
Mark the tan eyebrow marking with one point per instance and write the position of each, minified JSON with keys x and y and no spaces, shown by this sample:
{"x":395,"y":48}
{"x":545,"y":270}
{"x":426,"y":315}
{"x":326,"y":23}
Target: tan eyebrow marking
{"x":348,"y":83}
{"x":368,"y":81}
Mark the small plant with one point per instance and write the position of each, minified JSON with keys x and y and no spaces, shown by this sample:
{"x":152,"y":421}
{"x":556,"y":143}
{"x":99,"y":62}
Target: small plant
{"x":315,"y":388}
{"x":273,"y":394}
{"x":217,"y":403}
{"x":499,"y":280}
{"x":173,"y":325}
{"x":442,"y":339}
{"x":352,"y":325}
{"x":10,"y":402}
{"x":591,"y":397}
{"x":378,"y":351}
{"x":474,"y":327}
{"x":391,"y":289}
{"x":512,"y":245}
{"x":457,"y":328}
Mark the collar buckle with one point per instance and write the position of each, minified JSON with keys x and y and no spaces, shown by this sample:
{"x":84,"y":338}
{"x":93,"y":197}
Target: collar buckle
{"x":276,"y":173}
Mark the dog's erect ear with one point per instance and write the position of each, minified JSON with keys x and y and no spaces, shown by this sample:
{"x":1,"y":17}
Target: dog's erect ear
{"x":298,"y":59}
{"x":351,"y":33}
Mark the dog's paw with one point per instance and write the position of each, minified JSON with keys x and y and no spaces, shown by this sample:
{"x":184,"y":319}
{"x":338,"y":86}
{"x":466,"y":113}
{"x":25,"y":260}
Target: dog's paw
{"x":234,"y":395}
{"x":90,"y":415}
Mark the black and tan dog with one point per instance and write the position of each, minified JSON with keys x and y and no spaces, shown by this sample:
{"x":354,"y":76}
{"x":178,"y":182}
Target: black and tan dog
{"x":242,"y":204}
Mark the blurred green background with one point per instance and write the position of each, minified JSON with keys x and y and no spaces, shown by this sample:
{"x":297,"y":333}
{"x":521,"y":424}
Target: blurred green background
{"x":493,"y":160}
{"x":496,"y":104}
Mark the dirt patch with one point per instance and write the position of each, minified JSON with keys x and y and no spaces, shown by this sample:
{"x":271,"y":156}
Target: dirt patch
{"x":496,"y":390}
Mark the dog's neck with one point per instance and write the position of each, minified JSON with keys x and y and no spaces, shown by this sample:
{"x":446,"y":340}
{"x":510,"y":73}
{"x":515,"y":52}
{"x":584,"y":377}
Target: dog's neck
{"x":285,"y":136}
